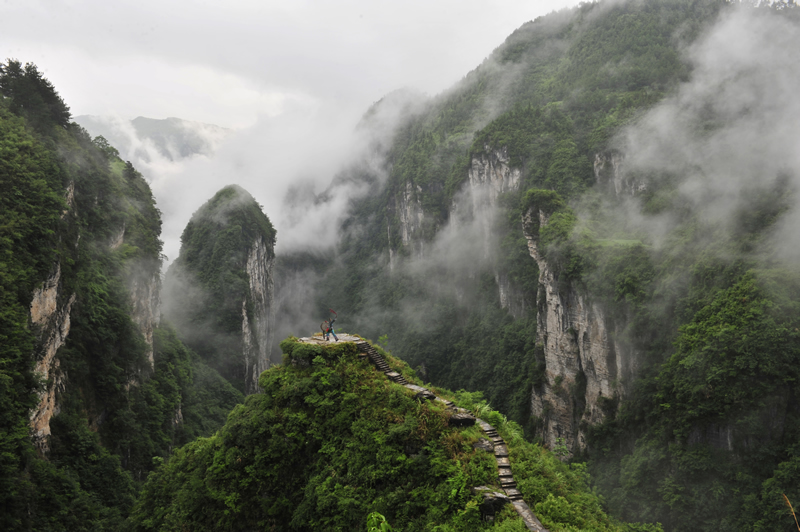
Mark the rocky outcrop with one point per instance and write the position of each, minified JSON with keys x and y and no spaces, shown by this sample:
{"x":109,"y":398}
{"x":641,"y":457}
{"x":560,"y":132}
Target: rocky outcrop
{"x":490,"y":175}
{"x":118,"y":238}
{"x":257,"y":336}
{"x":409,"y":214}
{"x":50,"y":318}
{"x":144,"y":287}
{"x":510,"y":296}
{"x":609,"y":172}
{"x":585,"y":364}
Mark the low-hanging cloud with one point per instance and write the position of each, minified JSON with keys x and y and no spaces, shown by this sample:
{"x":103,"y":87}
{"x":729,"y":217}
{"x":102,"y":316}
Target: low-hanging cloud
{"x":286,"y":162}
{"x":733,"y":128}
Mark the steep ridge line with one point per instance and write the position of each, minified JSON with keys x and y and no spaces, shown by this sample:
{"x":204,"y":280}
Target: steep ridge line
{"x":464,"y":419}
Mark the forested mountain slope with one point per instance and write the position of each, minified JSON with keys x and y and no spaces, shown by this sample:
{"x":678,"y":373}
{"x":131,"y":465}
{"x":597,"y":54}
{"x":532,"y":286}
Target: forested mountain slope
{"x":219,"y":292}
{"x":331,"y":440}
{"x":92,"y":386}
{"x":435,"y":257}
{"x":594,"y":227}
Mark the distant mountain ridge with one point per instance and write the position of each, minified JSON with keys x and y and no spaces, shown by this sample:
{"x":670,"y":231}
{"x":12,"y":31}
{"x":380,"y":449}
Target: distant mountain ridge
{"x":172,"y":138}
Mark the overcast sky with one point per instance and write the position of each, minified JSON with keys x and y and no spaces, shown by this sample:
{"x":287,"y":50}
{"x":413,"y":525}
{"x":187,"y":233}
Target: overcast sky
{"x":229,"y":62}
{"x":293,"y":78}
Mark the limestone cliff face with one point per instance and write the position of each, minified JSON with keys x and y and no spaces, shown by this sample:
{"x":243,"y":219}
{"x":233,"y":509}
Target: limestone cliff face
{"x":50,"y":317}
{"x":584,"y":361}
{"x":609,"y":172}
{"x":144,"y":287}
{"x":407,"y":208}
{"x":257,"y":336}
{"x":490,"y":175}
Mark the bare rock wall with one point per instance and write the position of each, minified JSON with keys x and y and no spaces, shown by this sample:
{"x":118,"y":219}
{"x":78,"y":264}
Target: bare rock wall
{"x":257,"y":334}
{"x":584,"y":361}
{"x":50,"y":317}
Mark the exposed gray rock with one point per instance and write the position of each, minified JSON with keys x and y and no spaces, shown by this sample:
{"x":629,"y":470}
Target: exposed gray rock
{"x":484,"y":445}
{"x":493,"y":501}
{"x":584,"y":359}
{"x":50,"y":317}
{"x":462,"y":419}
{"x":491,"y":174}
{"x":257,"y":336}
{"x":609,"y":171}
{"x":424,"y":395}
{"x":144,"y":289}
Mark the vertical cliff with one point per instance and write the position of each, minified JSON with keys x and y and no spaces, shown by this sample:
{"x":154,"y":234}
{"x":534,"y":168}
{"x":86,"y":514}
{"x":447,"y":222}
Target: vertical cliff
{"x":258,"y":338}
{"x":145,"y":295}
{"x":491,"y":174}
{"x":219,"y":292}
{"x":609,"y":173}
{"x":50,"y":318}
{"x":584,"y":363}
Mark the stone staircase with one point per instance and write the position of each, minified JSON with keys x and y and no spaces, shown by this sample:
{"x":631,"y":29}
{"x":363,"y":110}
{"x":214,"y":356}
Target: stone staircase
{"x":461,"y":417}
{"x":507,"y":481}
{"x":367,"y":351}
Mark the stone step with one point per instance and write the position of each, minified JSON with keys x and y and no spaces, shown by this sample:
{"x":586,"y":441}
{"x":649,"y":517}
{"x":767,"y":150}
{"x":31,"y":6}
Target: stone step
{"x":508,"y":485}
{"x":448,"y":404}
{"x":500,"y":450}
{"x":462,"y":419}
{"x":513,"y":494}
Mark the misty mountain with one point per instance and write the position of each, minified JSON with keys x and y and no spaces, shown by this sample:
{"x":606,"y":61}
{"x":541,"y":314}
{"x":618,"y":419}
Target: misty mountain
{"x":594,"y":232}
{"x":219,"y":292}
{"x":171,"y":138}
{"x":595,"y":228}
{"x":94,"y":386}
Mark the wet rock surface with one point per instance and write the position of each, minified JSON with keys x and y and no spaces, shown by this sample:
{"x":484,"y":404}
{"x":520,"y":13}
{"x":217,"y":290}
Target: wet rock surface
{"x":484,"y":445}
{"x":493,"y":501}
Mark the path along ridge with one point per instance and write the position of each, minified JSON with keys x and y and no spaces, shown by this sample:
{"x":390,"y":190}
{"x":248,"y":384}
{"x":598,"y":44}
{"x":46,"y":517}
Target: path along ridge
{"x":461,"y":418}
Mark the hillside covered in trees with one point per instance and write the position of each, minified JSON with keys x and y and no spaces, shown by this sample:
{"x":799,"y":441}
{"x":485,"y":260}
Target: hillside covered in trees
{"x":595,"y":228}
{"x":331,"y":440}
{"x":94,"y":390}
{"x":593,"y":233}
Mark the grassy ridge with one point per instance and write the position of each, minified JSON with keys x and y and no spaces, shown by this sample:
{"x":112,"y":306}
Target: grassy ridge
{"x":331,"y":440}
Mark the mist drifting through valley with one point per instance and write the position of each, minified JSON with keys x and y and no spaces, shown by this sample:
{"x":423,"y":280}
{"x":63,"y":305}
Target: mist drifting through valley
{"x":726,"y":132}
{"x":589,"y":233}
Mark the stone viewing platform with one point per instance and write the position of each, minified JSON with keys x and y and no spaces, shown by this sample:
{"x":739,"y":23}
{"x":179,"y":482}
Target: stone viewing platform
{"x":460,"y":418}
{"x":319,"y":340}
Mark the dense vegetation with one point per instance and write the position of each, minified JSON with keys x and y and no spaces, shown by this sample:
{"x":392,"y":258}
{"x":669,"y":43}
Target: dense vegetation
{"x":703,"y":439}
{"x":207,"y":283}
{"x":551,"y":97}
{"x":71,"y":208}
{"x":331,"y":440}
